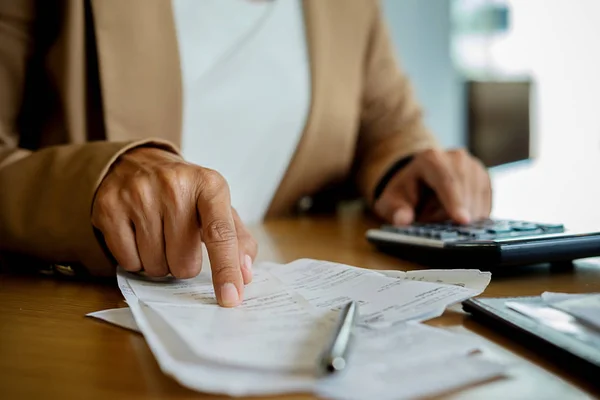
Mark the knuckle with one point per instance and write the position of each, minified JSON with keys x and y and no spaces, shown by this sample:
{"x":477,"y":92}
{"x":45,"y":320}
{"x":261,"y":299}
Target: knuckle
{"x":186,"y":273}
{"x":459,"y":153}
{"x":428,"y":152}
{"x":212,"y":182}
{"x":140,"y":183}
{"x":448,"y":181}
{"x":168,"y":177}
{"x":187,"y":265}
{"x":173,"y":183}
{"x":177,"y":175}
{"x":432,"y":156}
{"x":104,"y":206}
{"x":432,"y":153}
{"x":218,"y":231}
{"x":462,"y":159}
{"x":154,"y":264}
{"x":139,"y":192}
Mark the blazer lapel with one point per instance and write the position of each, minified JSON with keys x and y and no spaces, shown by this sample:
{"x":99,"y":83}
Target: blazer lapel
{"x":139,"y":69}
{"x":290,"y":187}
{"x":141,"y":84}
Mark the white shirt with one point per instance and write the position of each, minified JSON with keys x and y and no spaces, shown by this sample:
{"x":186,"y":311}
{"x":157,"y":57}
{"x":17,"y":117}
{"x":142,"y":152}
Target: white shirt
{"x":246,"y":92}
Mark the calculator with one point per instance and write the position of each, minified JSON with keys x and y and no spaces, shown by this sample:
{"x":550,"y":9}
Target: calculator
{"x":485,"y":244}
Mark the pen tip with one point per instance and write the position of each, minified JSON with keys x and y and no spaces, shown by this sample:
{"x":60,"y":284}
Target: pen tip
{"x":337,"y":364}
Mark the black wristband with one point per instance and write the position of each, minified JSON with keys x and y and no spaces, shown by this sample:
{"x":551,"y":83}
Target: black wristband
{"x":393,"y":170}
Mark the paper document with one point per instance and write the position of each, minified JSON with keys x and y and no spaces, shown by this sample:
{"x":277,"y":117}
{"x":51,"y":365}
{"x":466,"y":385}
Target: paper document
{"x":270,"y":344}
{"x":468,"y":278}
{"x":413,"y":382}
{"x":383,"y":300}
{"x":117,"y":316}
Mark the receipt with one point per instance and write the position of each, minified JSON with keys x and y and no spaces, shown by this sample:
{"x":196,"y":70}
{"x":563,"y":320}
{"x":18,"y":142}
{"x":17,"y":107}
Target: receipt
{"x":288,"y":311}
{"x":271,"y":343}
{"x":117,"y":316}
{"x":410,"y":355}
{"x":176,"y":359}
{"x":469,"y":278}
{"x":397,"y":382}
{"x":272,"y":329}
{"x":192,"y":291}
{"x":383,"y":300}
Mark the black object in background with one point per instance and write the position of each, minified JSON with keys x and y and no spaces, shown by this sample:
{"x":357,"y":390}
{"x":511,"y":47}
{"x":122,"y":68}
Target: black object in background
{"x":575,"y":356}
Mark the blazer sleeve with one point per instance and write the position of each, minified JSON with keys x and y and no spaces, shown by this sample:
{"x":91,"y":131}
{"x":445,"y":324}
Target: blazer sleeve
{"x":46,"y":195}
{"x":391,"y":123}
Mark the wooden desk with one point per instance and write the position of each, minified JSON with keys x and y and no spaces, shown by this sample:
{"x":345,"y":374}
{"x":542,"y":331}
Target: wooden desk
{"x":48,"y":350}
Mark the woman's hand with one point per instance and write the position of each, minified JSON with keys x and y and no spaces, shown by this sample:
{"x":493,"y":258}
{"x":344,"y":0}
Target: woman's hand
{"x":437,"y":185}
{"x":155,"y":210}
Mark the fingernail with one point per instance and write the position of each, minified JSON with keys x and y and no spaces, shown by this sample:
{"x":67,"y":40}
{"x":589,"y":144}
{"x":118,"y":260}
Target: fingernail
{"x":402,"y":217}
{"x":229,"y":295}
{"x":464,"y":215}
{"x":248,"y":262}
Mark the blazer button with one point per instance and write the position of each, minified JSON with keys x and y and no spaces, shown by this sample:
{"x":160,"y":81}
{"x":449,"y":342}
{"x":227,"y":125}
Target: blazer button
{"x":64,"y":270}
{"x":304,"y":204}
{"x":46,"y":269}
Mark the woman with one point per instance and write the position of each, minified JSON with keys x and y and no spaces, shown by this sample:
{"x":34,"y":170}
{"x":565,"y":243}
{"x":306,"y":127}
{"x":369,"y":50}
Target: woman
{"x":129,"y":129}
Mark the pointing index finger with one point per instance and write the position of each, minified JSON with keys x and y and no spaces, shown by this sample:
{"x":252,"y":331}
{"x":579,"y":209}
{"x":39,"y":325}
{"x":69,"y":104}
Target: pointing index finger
{"x":219,"y":235}
{"x":440,"y":177}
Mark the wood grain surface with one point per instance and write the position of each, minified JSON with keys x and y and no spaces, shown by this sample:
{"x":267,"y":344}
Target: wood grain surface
{"x":49,"y":350}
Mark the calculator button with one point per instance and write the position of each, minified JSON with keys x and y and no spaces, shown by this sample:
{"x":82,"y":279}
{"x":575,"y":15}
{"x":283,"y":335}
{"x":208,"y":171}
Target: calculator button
{"x":433,"y":232}
{"x":426,"y":232}
{"x":552,"y":228}
{"x":450,"y":224}
{"x":472,"y":232}
{"x":485,"y":223}
{"x":486,"y":229}
{"x":438,"y":227}
{"x":413,"y":230}
{"x":422,"y":231}
{"x":396,"y":229}
{"x":445,"y":235}
{"x":499,"y":229}
{"x":525,"y":227}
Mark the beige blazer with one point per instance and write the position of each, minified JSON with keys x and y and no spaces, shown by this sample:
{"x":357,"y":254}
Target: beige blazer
{"x":81,"y":82}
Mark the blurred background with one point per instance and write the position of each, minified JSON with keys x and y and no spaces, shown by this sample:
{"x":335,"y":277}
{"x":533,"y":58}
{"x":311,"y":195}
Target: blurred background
{"x":518,"y":84}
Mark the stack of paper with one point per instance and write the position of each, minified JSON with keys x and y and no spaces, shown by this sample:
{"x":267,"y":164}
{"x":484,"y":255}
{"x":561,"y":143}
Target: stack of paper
{"x":271,"y":343}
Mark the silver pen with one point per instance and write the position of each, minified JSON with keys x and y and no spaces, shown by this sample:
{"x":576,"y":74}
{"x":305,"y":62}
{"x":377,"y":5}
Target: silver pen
{"x":335,"y":356}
